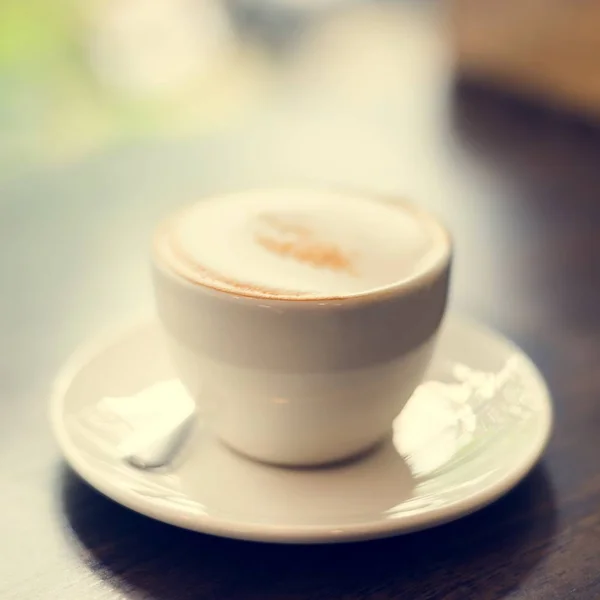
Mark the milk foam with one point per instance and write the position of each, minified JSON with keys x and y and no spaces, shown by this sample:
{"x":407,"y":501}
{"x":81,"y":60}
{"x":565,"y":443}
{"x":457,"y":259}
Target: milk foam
{"x":307,"y":245}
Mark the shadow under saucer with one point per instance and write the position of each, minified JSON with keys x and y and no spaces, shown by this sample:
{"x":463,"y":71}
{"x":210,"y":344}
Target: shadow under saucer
{"x":473,"y":557}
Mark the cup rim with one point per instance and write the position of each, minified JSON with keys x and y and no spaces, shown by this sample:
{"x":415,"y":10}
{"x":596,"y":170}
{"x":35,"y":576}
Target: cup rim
{"x":417,"y":280}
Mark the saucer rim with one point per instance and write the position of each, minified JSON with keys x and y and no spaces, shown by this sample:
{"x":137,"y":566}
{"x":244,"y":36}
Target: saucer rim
{"x":292,"y":534}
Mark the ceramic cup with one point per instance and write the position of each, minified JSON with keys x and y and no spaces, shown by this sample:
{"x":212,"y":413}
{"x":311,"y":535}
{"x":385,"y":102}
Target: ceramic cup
{"x":303,"y":382}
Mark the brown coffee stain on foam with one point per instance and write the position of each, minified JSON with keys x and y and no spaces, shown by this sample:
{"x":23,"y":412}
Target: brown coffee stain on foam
{"x":290,"y":240}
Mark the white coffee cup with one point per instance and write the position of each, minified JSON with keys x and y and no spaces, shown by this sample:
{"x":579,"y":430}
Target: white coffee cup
{"x":293,"y":378}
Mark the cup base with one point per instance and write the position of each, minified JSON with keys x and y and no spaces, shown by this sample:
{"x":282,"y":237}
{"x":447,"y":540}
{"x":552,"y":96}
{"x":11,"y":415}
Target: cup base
{"x":312,"y":464}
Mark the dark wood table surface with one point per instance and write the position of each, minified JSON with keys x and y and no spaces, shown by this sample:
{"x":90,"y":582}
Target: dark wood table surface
{"x":524,"y":205}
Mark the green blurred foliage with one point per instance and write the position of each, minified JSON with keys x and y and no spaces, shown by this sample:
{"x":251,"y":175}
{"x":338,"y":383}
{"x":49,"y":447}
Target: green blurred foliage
{"x":54,"y":109}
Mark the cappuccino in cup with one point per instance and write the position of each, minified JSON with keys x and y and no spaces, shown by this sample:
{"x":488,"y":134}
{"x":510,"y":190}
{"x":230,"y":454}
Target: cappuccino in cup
{"x":301,"y":321}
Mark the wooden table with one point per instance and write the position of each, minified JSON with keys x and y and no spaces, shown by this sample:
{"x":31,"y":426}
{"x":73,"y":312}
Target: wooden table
{"x":525,"y":209}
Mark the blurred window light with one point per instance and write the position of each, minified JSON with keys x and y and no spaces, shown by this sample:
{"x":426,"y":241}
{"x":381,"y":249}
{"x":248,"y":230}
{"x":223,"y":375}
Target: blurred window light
{"x":157,"y":46}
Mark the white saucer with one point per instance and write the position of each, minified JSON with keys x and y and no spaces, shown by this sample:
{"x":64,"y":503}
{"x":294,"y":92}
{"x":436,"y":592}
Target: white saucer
{"x":473,"y":429}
